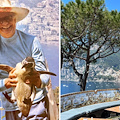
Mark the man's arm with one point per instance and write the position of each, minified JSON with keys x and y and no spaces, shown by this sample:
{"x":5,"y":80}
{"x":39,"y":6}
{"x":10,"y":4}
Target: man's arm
{"x":8,"y":82}
{"x":39,"y":58}
{"x":2,"y":85}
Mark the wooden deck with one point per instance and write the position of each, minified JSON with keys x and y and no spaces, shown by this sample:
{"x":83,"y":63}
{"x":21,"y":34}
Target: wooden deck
{"x":114,"y":109}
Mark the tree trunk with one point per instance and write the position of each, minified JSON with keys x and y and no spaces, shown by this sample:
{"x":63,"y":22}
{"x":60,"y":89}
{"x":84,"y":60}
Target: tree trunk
{"x":79,"y":75}
{"x":61,"y":58}
{"x":85,"y":75}
{"x":81,"y":82}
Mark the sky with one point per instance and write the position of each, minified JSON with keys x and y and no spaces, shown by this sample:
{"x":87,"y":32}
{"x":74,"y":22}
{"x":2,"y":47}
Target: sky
{"x":110,"y":4}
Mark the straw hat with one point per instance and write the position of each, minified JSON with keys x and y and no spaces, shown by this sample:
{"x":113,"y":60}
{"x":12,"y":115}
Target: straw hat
{"x":5,"y":7}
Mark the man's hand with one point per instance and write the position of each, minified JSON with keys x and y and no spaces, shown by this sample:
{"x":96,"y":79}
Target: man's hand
{"x":11,"y":81}
{"x":34,"y":78}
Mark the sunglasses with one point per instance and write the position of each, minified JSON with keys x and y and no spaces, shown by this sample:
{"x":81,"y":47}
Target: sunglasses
{"x":6,"y":19}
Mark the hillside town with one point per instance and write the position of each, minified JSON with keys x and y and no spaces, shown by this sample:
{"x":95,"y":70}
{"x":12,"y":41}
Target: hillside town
{"x":42,"y":21}
{"x":98,"y":72}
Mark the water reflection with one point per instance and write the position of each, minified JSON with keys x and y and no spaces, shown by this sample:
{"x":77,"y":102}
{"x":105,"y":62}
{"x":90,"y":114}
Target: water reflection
{"x":71,"y":86}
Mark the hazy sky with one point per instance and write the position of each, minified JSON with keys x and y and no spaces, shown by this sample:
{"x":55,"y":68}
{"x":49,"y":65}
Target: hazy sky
{"x":110,"y":4}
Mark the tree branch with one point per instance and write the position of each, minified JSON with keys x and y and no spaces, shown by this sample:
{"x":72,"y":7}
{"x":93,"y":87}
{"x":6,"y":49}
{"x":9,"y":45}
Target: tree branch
{"x":98,"y":48}
{"x":75,"y":70}
{"x":66,"y":32}
{"x":104,"y":56}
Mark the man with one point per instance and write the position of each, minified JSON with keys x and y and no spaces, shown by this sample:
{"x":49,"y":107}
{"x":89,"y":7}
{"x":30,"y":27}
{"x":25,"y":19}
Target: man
{"x":14,"y":47}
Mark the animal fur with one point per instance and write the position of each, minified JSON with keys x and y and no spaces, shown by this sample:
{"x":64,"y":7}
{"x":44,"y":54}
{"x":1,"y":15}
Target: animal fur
{"x":23,"y":93}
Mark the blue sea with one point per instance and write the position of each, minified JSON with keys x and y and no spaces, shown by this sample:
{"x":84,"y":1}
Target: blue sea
{"x":71,"y":86}
{"x":51,"y":53}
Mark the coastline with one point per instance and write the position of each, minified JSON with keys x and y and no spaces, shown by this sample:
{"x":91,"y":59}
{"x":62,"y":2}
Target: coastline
{"x":100,"y":81}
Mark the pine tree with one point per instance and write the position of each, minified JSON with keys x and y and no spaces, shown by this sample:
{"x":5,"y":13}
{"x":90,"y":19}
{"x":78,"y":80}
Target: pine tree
{"x":86,"y":25}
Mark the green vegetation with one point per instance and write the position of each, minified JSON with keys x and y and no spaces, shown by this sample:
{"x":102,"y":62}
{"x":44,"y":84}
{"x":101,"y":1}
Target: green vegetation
{"x":89,"y":32}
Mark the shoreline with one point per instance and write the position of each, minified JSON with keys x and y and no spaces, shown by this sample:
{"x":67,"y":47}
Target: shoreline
{"x":91,"y":81}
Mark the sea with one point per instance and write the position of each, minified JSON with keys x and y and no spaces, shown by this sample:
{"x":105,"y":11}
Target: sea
{"x":72,"y":86}
{"x":51,"y":53}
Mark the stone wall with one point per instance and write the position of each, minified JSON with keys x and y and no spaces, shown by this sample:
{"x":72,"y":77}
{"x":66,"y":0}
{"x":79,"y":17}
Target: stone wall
{"x":85,"y":98}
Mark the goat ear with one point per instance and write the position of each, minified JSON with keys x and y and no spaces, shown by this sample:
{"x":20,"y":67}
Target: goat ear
{"x":5,"y":68}
{"x":46,"y":72}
